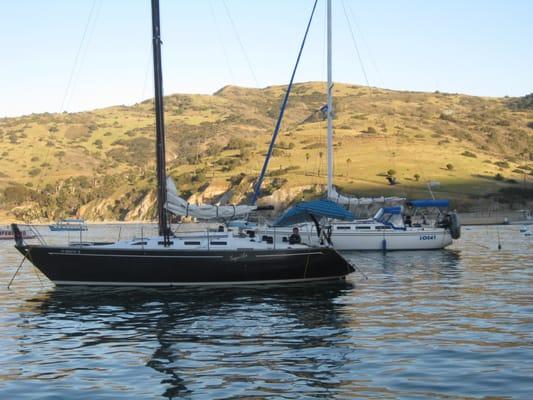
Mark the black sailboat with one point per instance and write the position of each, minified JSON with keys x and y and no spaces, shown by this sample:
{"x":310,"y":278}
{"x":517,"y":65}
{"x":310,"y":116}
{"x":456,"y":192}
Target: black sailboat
{"x":174,"y":260}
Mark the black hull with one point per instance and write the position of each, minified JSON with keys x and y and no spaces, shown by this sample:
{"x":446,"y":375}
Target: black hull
{"x":115,"y":267}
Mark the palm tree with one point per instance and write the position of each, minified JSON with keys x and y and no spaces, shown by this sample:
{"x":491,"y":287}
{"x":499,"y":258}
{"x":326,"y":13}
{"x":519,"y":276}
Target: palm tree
{"x":348,"y":163}
{"x":320,"y":155}
{"x":307,"y":156}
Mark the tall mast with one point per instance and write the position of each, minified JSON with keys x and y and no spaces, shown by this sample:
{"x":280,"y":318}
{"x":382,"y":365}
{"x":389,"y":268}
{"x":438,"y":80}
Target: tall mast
{"x":159,"y":121}
{"x":330,"y":105}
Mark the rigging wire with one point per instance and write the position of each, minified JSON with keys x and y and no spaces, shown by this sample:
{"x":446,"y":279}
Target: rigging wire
{"x":221,"y":42}
{"x":257,"y":186}
{"x":236,"y":32}
{"x":82,"y":49}
{"x":392,"y":155}
{"x":78,"y":59}
{"x":367,"y":47}
{"x":355,"y":44}
{"x":379,"y":78}
{"x":147,"y":69}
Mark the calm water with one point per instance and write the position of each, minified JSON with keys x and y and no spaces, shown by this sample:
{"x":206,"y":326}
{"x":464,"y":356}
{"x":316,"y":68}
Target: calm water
{"x":441,"y":324}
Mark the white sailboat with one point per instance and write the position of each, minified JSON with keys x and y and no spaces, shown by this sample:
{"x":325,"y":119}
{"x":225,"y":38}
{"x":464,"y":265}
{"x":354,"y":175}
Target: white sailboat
{"x":390,"y":228}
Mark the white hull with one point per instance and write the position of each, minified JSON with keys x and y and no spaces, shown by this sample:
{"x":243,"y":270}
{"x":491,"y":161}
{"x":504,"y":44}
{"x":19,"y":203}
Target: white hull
{"x":353,"y":239}
{"x":427,"y":239}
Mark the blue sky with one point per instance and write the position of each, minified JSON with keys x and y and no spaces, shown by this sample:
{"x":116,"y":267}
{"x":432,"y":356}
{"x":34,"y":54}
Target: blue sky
{"x":473,"y":47}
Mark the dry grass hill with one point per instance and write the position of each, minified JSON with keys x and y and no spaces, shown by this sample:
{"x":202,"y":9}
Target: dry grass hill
{"x":100,"y":164}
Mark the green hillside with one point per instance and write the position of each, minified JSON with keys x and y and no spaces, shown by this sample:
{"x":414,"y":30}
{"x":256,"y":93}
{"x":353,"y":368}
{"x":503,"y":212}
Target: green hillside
{"x":100,"y":164}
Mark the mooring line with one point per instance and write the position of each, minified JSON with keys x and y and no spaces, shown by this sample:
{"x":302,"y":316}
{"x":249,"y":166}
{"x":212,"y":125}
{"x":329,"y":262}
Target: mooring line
{"x":16,"y":272}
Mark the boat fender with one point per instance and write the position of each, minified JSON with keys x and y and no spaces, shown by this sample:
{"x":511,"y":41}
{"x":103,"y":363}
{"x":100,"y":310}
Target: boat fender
{"x":455,"y":225}
{"x":384,"y":245}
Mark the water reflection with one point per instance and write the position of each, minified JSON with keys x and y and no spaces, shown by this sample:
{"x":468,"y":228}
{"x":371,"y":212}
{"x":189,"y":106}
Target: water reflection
{"x":267,"y":339}
{"x":443,"y":324}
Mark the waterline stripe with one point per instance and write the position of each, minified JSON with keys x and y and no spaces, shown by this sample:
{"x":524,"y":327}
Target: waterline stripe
{"x":90,"y":283}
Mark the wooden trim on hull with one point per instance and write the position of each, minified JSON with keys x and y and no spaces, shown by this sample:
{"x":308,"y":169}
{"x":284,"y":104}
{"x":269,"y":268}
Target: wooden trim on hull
{"x":100,"y":266}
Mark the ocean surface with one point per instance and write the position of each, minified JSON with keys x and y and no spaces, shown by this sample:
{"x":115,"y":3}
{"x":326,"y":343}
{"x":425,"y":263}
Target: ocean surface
{"x":454,"y":323}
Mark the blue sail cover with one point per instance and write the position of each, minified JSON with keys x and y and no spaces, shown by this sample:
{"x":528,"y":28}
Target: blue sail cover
{"x":392,"y":210}
{"x":429,"y":203}
{"x":301,"y":212}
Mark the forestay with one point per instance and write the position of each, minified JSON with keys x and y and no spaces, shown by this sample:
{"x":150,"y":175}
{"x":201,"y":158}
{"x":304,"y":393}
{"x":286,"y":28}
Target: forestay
{"x":338,"y":198}
{"x":178,"y":206}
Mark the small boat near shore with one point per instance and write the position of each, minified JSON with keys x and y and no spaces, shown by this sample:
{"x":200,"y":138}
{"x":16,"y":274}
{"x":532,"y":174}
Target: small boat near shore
{"x":69,"y":224}
{"x":7,"y":234}
{"x":527,"y":218}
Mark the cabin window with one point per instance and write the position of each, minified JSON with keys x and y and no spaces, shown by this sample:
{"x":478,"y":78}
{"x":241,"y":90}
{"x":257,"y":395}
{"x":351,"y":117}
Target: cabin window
{"x":163,"y":243}
{"x":383,"y":227}
{"x":343,"y":227}
{"x":362,"y":227}
{"x":220,"y":243}
{"x":192,"y":243}
{"x":139,"y":244}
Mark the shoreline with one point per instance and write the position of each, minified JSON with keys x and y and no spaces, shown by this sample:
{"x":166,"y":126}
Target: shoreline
{"x":488,"y":217}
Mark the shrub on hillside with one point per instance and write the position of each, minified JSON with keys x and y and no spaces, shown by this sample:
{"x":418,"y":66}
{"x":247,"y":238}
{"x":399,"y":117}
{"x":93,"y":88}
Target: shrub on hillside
{"x":502,"y":164}
{"x":236,"y":143}
{"x":213,"y":149}
{"x":467,"y":153}
{"x":236,"y":179}
{"x":521,"y":103}
{"x":17,"y":194}
{"x":34,"y":171}
{"x":228,"y":163}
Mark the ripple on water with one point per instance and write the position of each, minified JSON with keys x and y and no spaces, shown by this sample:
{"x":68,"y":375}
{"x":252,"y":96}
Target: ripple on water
{"x":454,"y":323}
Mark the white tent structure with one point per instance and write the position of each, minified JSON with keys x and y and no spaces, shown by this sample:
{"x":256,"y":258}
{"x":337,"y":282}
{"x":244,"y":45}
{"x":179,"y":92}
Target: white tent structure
{"x":178,"y":206}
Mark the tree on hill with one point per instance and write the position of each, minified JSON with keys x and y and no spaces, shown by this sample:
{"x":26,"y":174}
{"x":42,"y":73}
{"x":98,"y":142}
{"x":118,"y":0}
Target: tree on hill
{"x":348,"y":163}
{"x":307,"y":156}
{"x":521,"y":103}
{"x":391,"y":177}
